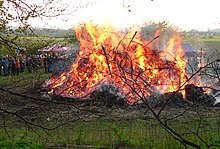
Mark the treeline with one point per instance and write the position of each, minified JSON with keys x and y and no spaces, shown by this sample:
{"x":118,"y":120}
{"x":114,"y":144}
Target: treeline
{"x":56,"y":33}
{"x":43,"y":32}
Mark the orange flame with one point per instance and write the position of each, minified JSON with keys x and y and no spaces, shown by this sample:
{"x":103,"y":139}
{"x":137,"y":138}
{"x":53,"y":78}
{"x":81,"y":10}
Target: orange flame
{"x":125,"y":61}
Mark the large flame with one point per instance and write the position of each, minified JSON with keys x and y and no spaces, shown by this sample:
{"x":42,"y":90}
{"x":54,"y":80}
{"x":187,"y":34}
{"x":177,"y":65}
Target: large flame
{"x":125,"y":61}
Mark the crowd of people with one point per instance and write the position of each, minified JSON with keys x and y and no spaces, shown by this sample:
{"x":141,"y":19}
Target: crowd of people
{"x":14,"y":65}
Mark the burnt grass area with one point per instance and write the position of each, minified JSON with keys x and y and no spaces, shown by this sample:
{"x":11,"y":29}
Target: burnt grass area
{"x":40,"y":108}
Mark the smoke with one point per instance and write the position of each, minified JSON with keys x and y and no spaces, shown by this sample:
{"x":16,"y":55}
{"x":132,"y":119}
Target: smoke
{"x":217,"y":100}
{"x":217,"y":97}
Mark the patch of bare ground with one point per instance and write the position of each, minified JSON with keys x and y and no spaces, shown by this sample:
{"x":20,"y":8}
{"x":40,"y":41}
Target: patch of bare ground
{"x":41,"y":108}
{"x":212,"y":45}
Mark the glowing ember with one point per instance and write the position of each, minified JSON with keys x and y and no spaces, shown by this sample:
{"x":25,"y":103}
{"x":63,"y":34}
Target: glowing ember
{"x":124,"y":61}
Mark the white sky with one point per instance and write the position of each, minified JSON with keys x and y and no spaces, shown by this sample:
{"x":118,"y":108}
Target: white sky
{"x":185,"y":14}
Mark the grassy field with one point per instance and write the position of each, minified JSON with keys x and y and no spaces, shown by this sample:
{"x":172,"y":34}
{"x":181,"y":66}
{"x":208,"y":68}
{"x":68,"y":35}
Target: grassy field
{"x":109,"y":134}
{"x":211,"y":39}
{"x":134,"y":133}
{"x":130,"y":128}
{"x":52,"y":40}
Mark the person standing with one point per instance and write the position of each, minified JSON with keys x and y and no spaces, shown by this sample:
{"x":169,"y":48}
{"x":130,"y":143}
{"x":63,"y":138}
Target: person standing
{"x":29,"y":63}
{"x":1,"y":66}
{"x":45,"y":63}
{"x":13,"y":65}
{"x":22,"y":64}
{"x":5,"y":64}
{"x":18,"y":66}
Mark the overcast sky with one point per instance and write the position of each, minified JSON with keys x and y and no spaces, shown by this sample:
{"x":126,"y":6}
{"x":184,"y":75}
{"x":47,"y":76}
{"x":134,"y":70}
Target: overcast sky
{"x":185,"y":14}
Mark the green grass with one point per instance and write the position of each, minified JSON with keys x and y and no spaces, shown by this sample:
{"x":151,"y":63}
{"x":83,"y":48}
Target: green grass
{"x":24,"y":81}
{"x":211,"y":39}
{"x":6,"y":143}
{"x":125,"y":133}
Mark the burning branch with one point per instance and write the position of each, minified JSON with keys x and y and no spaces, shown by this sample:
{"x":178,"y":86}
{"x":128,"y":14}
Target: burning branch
{"x":147,"y":43}
{"x":132,"y":39}
{"x":107,"y":61}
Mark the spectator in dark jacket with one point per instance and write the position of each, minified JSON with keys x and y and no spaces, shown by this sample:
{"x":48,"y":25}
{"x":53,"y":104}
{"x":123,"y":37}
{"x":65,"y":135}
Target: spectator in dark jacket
{"x":12,"y":63}
{"x":5,"y":64}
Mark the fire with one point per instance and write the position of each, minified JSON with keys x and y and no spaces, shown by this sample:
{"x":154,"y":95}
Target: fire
{"x":127,"y":62}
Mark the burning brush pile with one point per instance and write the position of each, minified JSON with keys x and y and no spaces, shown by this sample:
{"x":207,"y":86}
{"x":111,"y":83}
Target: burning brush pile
{"x":115,"y":68}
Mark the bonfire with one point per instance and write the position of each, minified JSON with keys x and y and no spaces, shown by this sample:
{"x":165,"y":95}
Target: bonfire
{"x":125,"y":61}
